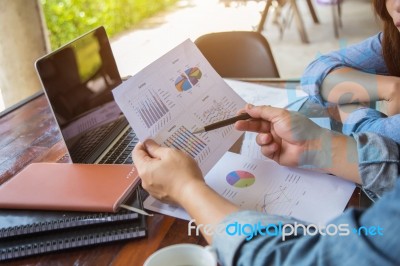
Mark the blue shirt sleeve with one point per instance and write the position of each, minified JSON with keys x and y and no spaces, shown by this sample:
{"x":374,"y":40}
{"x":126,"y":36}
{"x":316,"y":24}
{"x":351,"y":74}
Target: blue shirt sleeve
{"x":363,"y":237}
{"x":378,"y":160}
{"x":371,"y":120}
{"x":376,"y":177}
{"x":365,"y":56}
{"x":357,"y":237}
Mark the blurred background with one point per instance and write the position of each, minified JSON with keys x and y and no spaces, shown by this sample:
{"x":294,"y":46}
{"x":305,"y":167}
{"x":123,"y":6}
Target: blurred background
{"x":141,"y":31}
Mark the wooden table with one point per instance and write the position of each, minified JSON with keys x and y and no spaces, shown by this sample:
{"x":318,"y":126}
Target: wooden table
{"x":29,"y":134}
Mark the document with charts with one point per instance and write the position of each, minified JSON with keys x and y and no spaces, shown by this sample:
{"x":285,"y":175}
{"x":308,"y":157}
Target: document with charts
{"x":176,"y":94}
{"x":265,"y":186}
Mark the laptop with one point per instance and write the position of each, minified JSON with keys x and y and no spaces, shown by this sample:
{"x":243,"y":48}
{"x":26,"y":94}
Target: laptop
{"x":77,"y":79}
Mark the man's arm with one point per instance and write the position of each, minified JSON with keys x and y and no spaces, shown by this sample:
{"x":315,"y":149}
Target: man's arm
{"x":367,"y":237}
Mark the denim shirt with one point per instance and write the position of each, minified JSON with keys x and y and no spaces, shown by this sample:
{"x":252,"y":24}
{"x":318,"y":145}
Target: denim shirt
{"x":371,"y":120}
{"x":365,"y":56}
{"x":378,"y":166}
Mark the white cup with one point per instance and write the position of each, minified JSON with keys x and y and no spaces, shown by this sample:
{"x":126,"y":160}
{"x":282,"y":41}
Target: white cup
{"x":183,"y":254}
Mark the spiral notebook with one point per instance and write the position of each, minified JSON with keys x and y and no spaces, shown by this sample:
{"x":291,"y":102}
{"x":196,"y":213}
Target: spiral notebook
{"x":28,"y":232}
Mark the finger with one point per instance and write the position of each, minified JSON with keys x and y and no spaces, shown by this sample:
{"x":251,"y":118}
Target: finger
{"x":140,"y":154}
{"x":270,"y":150}
{"x":268,"y":113}
{"x":264,"y":139}
{"x":154,"y":149}
{"x":253,"y":125}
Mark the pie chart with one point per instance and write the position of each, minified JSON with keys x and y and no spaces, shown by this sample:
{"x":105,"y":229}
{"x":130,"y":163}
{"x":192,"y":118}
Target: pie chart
{"x":188,"y":79}
{"x":194,"y":75}
{"x":240,"y":179}
{"x":182,"y":83}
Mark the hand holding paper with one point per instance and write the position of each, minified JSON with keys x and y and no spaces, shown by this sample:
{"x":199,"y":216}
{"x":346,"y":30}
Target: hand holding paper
{"x":165,"y":172}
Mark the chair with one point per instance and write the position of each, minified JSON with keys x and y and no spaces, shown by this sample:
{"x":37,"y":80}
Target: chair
{"x":284,"y":22}
{"x":336,"y":13}
{"x":238,"y":54}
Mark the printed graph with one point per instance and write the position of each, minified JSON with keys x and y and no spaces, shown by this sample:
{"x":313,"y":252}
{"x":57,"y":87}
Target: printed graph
{"x":237,"y":180}
{"x":240,"y":179}
{"x":282,"y":198}
{"x":182,"y":83}
{"x":279,"y":195}
{"x":182,"y":139}
{"x":194,"y":74}
{"x":188,"y":79}
{"x":151,"y":108}
{"x":217,"y":110}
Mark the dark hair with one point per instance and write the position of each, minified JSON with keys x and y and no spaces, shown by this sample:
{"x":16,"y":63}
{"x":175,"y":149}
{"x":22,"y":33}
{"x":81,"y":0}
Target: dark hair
{"x":391,"y":38}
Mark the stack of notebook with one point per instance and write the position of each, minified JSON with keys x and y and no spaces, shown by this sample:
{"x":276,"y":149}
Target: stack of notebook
{"x":30,"y":232}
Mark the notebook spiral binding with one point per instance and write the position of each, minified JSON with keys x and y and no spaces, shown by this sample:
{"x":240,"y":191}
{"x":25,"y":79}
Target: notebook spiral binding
{"x":69,"y":222}
{"x":69,"y":240}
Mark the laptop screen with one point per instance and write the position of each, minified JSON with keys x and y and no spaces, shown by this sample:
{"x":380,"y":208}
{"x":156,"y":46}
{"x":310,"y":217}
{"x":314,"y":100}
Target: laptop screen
{"x":77,"y":79}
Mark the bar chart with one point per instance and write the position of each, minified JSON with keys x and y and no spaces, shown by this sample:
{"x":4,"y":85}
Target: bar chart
{"x":182,"y":139}
{"x":151,"y":108}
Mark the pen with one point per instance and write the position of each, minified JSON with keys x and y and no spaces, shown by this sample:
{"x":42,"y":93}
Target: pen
{"x":135,"y":209}
{"x":222,"y":123}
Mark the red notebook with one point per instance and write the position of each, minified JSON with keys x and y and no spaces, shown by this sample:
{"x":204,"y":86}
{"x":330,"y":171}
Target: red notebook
{"x":71,"y":187}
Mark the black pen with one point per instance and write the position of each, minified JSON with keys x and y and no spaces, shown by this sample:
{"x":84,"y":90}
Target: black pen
{"x":222,"y":123}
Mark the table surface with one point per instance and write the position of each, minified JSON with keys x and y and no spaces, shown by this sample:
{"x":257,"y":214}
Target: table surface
{"x":29,"y":134}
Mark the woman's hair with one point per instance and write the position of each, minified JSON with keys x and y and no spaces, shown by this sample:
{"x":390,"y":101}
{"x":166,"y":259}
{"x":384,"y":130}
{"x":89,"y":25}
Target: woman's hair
{"x":391,"y":38}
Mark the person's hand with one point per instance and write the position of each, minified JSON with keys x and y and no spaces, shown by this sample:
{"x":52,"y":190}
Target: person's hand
{"x":288,"y":138}
{"x":391,"y":97}
{"x":166,"y":173}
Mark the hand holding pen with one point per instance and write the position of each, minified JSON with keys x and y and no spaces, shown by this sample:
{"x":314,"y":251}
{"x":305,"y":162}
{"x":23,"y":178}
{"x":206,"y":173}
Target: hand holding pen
{"x":243,"y":116}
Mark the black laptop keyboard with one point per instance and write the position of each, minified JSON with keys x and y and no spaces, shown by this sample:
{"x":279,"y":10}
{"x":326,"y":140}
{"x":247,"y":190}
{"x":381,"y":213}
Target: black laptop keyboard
{"x":121,"y":153}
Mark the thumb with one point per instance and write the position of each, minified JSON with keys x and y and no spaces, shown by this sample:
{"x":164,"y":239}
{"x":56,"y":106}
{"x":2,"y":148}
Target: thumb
{"x":154,"y":149}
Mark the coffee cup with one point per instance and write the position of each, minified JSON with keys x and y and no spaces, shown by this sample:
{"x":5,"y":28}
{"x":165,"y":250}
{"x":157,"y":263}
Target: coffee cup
{"x":183,"y":254}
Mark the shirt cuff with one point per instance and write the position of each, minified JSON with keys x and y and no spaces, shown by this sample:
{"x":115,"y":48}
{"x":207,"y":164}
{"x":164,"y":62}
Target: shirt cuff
{"x":378,"y":159}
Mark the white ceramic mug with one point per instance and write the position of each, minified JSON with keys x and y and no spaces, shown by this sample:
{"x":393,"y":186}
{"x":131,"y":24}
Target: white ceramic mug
{"x":183,"y":254}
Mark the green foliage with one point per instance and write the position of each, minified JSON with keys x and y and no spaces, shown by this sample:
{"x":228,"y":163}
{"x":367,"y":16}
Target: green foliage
{"x":67,"y":19}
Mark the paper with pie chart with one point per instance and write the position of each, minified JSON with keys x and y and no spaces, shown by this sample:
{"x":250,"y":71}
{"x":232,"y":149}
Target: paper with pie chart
{"x":265,"y":186}
{"x":176,"y":94}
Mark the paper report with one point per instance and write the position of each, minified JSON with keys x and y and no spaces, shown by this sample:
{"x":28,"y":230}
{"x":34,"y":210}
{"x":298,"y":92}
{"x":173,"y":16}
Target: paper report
{"x":176,"y":94}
